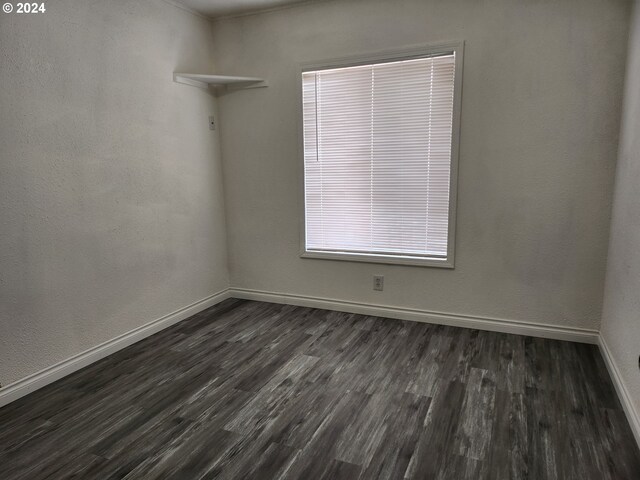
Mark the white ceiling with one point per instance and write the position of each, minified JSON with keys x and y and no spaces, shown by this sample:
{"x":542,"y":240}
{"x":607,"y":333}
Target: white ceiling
{"x":217,"y":8}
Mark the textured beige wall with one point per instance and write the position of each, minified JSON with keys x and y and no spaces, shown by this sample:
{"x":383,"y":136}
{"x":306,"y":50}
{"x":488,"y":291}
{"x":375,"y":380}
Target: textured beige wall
{"x":621,"y":313}
{"x":110,"y":182}
{"x":540,"y":116}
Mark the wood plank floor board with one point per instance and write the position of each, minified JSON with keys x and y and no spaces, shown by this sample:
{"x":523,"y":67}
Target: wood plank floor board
{"x":318,"y":459}
{"x":403,"y":430}
{"x":508,"y":447}
{"x":305,"y":415}
{"x":475,"y":429}
{"x":252,"y":390}
{"x":273,"y":462}
{"x":436,"y":446}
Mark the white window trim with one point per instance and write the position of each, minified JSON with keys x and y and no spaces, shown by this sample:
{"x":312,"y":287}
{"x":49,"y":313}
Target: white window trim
{"x":456,"y":47}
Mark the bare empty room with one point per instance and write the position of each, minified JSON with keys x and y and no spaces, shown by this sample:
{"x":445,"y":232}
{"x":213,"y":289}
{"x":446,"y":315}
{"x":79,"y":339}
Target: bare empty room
{"x":321,"y":239}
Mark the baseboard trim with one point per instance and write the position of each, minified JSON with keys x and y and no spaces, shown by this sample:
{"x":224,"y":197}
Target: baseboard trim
{"x":456,"y":320}
{"x":623,"y":394}
{"x":55,"y":372}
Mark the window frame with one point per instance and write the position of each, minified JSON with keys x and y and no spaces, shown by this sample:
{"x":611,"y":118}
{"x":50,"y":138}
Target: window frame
{"x":456,"y":47}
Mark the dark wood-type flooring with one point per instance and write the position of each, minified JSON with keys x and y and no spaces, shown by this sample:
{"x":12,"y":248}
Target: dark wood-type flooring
{"x":263,"y":391}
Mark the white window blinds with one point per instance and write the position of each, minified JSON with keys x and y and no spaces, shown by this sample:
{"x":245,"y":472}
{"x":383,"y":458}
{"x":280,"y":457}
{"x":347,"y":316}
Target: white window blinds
{"x":377,"y":157}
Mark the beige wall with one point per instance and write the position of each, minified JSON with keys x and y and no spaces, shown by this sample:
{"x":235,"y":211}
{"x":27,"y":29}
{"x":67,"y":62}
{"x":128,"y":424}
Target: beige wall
{"x":110,"y":180}
{"x":621,"y":313}
{"x":540,"y":116}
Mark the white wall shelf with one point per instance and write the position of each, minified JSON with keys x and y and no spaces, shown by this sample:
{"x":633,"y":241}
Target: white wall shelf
{"x":230,"y":82}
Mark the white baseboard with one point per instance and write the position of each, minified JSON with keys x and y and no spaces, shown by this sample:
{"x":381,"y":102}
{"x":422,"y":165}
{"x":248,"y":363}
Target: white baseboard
{"x":49,"y":375}
{"x":581,"y":335}
{"x":623,"y":394}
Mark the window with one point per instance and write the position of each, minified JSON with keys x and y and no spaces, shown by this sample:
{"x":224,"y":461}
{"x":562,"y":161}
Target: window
{"x":380,"y":150}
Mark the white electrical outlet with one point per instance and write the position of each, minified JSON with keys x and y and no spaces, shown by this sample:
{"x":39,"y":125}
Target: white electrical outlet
{"x":212,"y":123}
{"x":378,"y":282}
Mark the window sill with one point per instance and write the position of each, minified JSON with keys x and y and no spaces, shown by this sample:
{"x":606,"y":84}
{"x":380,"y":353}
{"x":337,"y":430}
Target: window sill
{"x":387,"y":259}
